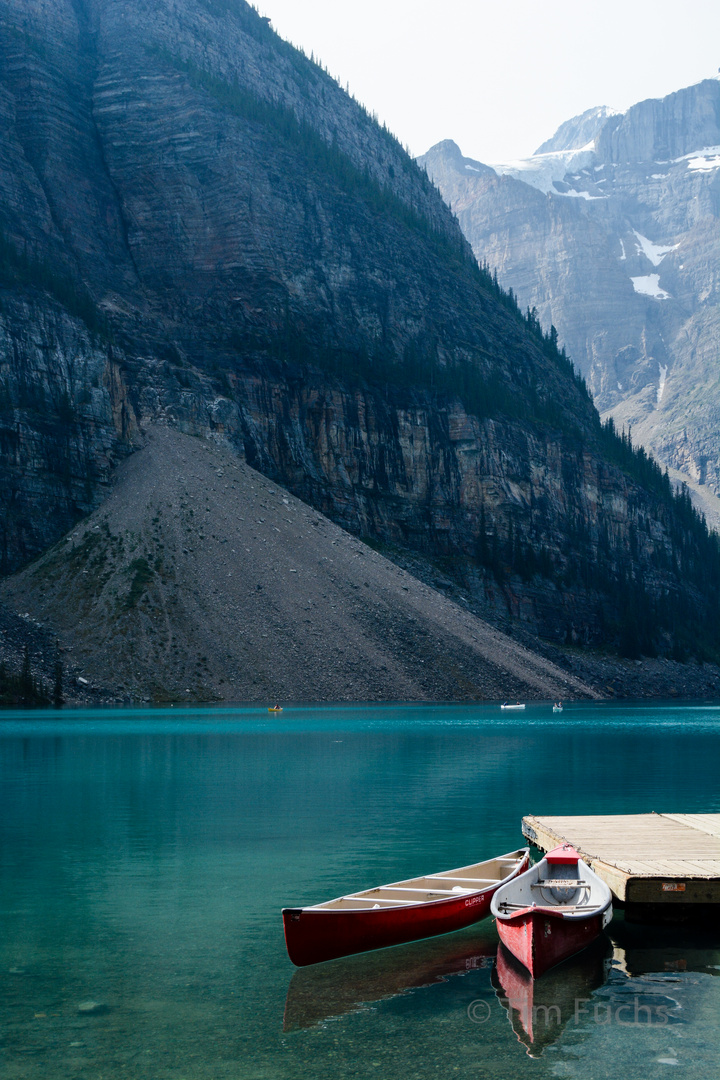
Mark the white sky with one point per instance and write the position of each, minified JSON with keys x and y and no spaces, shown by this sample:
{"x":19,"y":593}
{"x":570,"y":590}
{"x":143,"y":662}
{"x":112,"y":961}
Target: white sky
{"x":500,"y":77}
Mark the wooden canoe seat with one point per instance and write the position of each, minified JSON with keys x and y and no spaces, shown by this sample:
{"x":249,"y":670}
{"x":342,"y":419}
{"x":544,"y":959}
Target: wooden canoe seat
{"x":560,"y":908}
{"x":405,"y":888}
{"x":590,"y":908}
{"x":479,"y":882}
{"x":561,"y":883}
{"x":373,"y":900}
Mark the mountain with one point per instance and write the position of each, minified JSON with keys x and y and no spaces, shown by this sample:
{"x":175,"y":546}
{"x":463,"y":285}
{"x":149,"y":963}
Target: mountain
{"x":610,"y":230}
{"x":200,"y":229}
{"x":577,"y":133}
{"x":200,"y":579}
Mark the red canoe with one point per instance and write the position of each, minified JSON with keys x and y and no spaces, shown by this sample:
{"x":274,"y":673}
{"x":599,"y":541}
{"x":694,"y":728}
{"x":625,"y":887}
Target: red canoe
{"x":402,"y":911}
{"x":553,"y":910}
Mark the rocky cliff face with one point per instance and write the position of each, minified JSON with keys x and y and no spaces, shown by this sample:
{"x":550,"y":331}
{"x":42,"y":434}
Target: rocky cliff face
{"x":200,"y":579}
{"x":198,"y":226}
{"x":65,"y":420}
{"x":615,"y":239}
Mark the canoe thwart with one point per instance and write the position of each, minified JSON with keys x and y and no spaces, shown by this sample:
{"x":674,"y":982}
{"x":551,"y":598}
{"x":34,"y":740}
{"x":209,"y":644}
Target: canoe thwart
{"x":555,"y":908}
{"x":560,"y":883}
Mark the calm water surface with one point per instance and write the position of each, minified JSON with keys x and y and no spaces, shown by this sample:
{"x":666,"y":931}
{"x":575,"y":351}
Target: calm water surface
{"x":145,"y":856}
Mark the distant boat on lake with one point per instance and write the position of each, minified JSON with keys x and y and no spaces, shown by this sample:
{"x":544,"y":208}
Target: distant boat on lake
{"x":402,"y":911}
{"x":506,"y":706}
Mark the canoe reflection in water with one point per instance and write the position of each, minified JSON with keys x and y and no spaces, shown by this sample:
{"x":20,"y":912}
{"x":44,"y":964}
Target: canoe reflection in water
{"x":540,"y":1009}
{"x":611,"y":975}
{"x":612,"y":981}
{"x":330,"y":990}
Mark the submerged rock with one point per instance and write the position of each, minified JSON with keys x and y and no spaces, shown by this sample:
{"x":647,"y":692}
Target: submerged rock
{"x":92,"y":1008}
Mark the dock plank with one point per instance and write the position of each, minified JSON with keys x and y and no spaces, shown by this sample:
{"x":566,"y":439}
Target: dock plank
{"x":708,"y":823}
{"x":641,"y":855}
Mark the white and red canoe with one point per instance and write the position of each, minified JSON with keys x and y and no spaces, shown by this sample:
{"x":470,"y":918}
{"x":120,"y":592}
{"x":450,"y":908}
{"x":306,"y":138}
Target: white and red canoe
{"x":402,"y":911}
{"x":552,"y":911}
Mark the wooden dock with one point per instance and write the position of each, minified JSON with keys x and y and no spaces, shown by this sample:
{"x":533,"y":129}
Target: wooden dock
{"x":646,"y":859}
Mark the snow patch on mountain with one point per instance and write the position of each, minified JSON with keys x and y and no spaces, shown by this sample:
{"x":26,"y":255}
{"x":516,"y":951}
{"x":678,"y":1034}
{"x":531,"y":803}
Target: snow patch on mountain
{"x":580,"y":195}
{"x":649,"y":285}
{"x":577,"y":132}
{"x":655,"y":253}
{"x":703,"y":160}
{"x":542,"y":170}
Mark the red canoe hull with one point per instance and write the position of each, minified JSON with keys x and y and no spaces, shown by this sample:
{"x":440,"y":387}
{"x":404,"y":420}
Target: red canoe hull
{"x":313,"y":935}
{"x":540,"y":938}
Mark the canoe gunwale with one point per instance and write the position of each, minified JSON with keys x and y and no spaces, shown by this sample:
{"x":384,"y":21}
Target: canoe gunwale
{"x":550,"y":910}
{"x":488,"y":884}
{"x":596,"y":892}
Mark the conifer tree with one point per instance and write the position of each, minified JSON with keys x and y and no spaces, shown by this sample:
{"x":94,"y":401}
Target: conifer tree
{"x":58,"y":699}
{"x":27,"y":685}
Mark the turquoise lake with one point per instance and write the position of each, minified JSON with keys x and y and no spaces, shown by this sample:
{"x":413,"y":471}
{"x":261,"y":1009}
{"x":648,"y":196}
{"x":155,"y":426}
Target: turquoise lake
{"x":145,"y":856}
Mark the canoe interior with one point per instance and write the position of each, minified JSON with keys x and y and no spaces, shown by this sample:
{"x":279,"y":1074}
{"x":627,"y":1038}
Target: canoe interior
{"x":422,"y":890}
{"x":572,"y":890}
